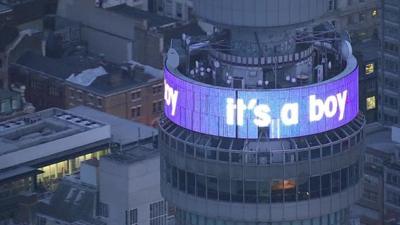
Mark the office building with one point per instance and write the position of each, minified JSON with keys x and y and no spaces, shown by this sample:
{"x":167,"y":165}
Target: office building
{"x":41,"y":148}
{"x":131,"y":90}
{"x":253,"y":131}
{"x":135,"y":175}
{"x":379,"y":203}
{"x":388,"y":99}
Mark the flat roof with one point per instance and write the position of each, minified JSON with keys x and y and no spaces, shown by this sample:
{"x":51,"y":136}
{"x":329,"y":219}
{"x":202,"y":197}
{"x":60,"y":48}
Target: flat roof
{"x":113,"y":81}
{"x":378,"y":137}
{"x":44,"y":134}
{"x":123,"y":131}
{"x":134,"y":154}
{"x":153,"y":19}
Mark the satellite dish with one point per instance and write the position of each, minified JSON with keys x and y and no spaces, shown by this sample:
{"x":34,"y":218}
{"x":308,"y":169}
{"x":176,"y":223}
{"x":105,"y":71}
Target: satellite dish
{"x":173,"y":58}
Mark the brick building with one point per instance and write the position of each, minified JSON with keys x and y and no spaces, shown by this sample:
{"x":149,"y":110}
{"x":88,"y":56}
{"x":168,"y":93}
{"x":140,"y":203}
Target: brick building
{"x":130,"y":91}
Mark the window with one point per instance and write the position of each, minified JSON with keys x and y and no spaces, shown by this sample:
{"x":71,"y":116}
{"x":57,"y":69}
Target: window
{"x":135,"y":95}
{"x":157,"y":89}
{"x":369,"y":68}
{"x":277,"y":188}
{"x":200,"y":186}
{"x":158,"y":213}
{"x":212,"y":188}
{"x":371,"y":103}
{"x":135,"y":111}
{"x":99,"y":102}
{"x":41,"y":220}
{"x":131,"y":217}
{"x":103,"y":209}
{"x":374,"y":12}
{"x":157,"y":106}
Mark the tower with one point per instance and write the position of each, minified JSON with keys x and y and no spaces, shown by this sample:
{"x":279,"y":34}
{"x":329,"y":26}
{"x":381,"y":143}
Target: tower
{"x":261,"y":122}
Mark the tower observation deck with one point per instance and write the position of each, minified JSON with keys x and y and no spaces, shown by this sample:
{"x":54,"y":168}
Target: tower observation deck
{"x":261,"y":122}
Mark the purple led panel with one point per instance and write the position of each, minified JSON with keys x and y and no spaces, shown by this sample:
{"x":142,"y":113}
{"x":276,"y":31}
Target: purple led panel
{"x":240,"y":113}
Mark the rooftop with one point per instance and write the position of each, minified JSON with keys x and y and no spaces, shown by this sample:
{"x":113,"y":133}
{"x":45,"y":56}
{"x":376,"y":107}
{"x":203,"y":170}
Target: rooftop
{"x":91,"y":73}
{"x":135,"y":154}
{"x":152,"y":19}
{"x":46,"y":133}
{"x":378,"y":137}
{"x":123,"y":131}
{"x":4,"y":8}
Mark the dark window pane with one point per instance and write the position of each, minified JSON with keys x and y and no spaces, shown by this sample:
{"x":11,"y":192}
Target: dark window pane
{"x":303,"y":193}
{"x":236,"y":157}
{"x":315,"y":187}
{"x":224,"y":190}
{"x":200,"y":153}
{"x":263,"y":158}
{"x":263,"y":192}
{"x":191,"y":184}
{"x":212,"y":192}
{"x":200,"y":186}
{"x":189,"y":150}
{"x":290,"y":157}
{"x":182,"y":181}
{"x":303,"y":156}
{"x":181,"y":147}
{"x":343,"y":178}
{"x":174,"y":177}
{"x":336,"y":182}
{"x":326,"y":184}
{"x":237,"y":190}
{"x":223,"y":156}
{"x":326,"y":151}
{"x":336,"y":148}
{"x":250,"y":191}
{"x":277,"y":191}
{"x":315,"y":153}
{"x":211,"y":154}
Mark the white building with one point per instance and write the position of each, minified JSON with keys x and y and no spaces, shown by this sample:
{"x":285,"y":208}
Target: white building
{"x":130,"y":188}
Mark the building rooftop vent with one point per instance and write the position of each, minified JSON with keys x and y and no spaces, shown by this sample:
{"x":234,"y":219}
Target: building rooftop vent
{"x":87,"y":77}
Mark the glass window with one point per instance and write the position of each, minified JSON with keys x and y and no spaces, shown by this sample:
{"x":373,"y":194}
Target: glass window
{"x":211,"y":154}
{"x":369,"y":68}
{"x":326,"y":151}
{"x":236,"y":157}
{"x":336,"y":148}
{"x":290,"y":190}
{"x":263,"y":158}
{"x":303,"y":156}
{"x":277,"y":157}
{"x":191,"y":183}
{"x":200,"y":153}
{"x":200,"y":186}
{"x":343,"y":178}
{"x":223,"y":156}
{"x":303,"y":192}
{"x":224,"y":190}
{"x":212,"y":192}
{"x":237,"y":190}
{"x":189,"y":150}
{"x":181,"y":147}
{"x":335,"y":182}
{"x":277,"y":191}
{"x":250,"y":191}
{"x":131,"y":217}
{"x":174,"y":177}
{"x":263,"y":192}
{"x":182,"y":180}
{"x":326,"y":185}
{"x":315,"y":153}
{"x":315,"y":186}
{"x":290,"y":157}
{"x":371,"y":103}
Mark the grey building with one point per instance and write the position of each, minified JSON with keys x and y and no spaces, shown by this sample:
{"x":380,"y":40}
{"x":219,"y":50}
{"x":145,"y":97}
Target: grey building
{"x":219,"y":168}
{"x":389,"y":77}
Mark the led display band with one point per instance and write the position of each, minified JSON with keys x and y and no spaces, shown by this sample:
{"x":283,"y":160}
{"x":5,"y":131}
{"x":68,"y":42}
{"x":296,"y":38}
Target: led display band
{"x":243,"y":113}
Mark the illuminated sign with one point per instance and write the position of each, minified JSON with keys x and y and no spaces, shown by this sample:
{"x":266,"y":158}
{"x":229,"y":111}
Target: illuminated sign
{"x":242,"y":113}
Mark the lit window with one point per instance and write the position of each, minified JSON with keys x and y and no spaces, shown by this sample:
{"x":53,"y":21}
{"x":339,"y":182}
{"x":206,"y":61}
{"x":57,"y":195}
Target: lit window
{"x":371,"y":103}
{"x":374,"y":12}
{"x":369,"y":68}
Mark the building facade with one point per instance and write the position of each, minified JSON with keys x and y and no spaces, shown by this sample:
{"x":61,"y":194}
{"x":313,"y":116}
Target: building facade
{"x":250,"y":134}
{"x":389,"y":73}
{"x":130,"y":91}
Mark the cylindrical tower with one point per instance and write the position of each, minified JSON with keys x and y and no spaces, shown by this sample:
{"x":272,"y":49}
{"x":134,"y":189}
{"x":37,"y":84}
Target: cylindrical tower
{"x":261,"y":122}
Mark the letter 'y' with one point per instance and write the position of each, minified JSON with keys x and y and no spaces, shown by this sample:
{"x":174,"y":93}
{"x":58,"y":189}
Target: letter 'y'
{"x":341,"y":97}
